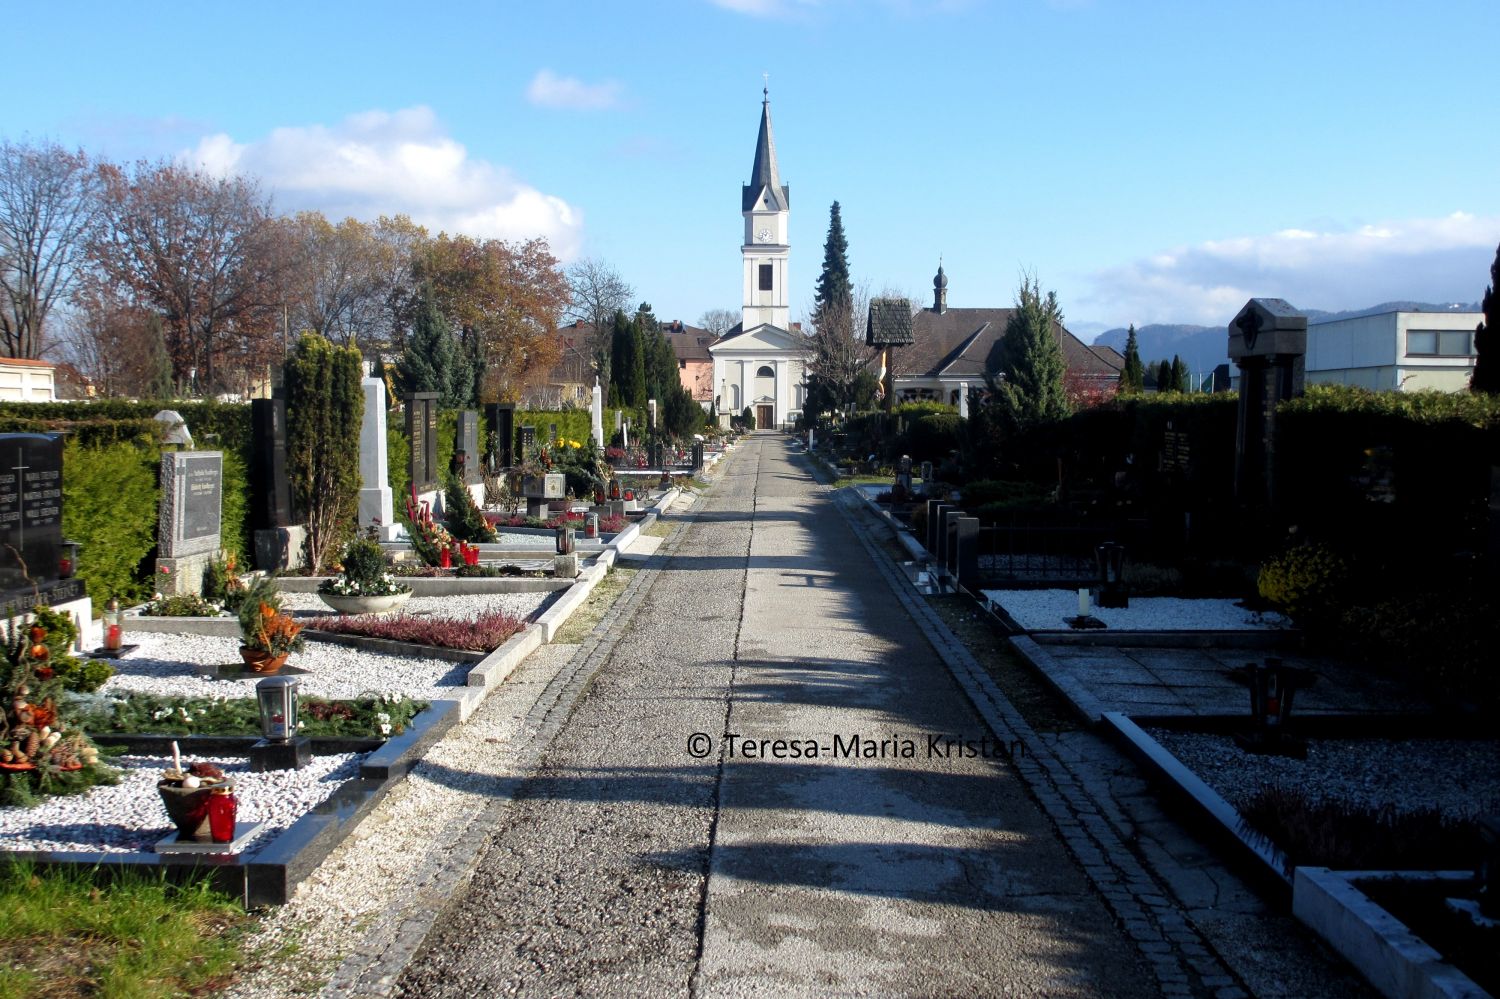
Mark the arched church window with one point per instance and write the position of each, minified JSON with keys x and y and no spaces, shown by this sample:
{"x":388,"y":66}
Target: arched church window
{"x":765,"y":371}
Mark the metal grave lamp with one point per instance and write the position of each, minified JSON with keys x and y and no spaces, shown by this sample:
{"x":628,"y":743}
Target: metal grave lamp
{"x":67,"y":563}
{"x":565,"y":538}
{"x":1272,"y":690}
{"x":114,"y":625}
{"x":1110,"y":558}
{"x":280,"y":748}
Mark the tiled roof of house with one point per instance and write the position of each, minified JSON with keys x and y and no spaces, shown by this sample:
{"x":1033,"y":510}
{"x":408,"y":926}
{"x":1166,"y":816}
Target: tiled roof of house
{"x":689,"y":343}
{"x":966,"y":343}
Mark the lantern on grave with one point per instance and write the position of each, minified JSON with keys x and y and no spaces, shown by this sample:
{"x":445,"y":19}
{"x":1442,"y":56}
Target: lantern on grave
{"x":1110,"y":560}
{"x":565,"y":538}
{"x":276,"y":698}
{"x":114,"y":625}
{"x":68,"y":563}
{"x":1272,"y":688}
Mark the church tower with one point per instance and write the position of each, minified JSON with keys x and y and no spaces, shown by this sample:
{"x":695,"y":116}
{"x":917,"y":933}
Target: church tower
{"x":765,"y":202}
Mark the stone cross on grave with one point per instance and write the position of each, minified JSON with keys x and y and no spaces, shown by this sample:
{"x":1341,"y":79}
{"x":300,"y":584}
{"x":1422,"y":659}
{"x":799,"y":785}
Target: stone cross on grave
{"x":20,"y":471}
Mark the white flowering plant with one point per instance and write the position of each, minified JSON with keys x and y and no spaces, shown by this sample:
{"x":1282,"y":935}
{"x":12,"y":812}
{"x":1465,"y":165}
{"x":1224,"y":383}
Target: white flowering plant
{"x":363,"y":573}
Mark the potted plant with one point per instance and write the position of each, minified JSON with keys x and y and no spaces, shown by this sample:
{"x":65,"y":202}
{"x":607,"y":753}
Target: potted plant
{"x":363,"y":585}
{"x":269,"y":634}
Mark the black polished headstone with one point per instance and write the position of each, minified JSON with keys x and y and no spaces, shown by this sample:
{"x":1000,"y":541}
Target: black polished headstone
{"x":501,"y":420}
{"x":270,"y":492}
{"x":525,"y":442}
{"x":30,"y":512}
{"x":466,"y":439}
{"x":421,"y":434}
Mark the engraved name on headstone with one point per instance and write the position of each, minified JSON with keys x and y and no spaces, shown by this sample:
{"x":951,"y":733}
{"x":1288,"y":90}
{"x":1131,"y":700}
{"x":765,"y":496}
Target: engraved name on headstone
{"x":30,"y":510}
{"x":191,"y":498}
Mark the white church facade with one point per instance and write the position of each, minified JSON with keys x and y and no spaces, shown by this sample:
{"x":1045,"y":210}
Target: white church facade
{"x":761,"y":364}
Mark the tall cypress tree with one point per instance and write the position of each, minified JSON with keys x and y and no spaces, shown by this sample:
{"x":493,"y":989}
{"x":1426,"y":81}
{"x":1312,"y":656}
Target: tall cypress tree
{"x":627,"y":369}
{"x":1163,"y":375}
{"x":1179,"y":372}
{"x":325,"y":406}
{"x":834,"y":289}
{"x":1487,"y":336}
{"x":1133,"y":375}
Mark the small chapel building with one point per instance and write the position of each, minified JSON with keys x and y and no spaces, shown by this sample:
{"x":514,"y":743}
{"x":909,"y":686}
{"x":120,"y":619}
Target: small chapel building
{"x":761,"y":363}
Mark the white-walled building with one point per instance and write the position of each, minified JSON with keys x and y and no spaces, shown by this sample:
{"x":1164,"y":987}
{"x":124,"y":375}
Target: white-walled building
{"x":761,"y":362}
{"x":1402,"y":351}
{"x":23,"y":380}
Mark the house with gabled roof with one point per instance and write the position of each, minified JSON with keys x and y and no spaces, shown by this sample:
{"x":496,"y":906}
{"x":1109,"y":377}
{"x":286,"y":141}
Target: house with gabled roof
{"x":955,"y":349}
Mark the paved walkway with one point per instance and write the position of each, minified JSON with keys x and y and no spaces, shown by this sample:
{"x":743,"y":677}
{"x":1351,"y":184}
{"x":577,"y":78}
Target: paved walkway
{"x":776,"y":864}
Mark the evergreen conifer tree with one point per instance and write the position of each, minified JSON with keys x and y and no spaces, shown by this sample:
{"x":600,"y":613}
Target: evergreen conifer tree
{"x":1030,"y":388}
{"x":834,"y":289}
{"x":1179,"y":375}
{"x":1487,"y":336}
{"x":1164,"y":375}
{"x":1133,"y":375}
{"x":156,"y":369}
{"x":427,"y":364}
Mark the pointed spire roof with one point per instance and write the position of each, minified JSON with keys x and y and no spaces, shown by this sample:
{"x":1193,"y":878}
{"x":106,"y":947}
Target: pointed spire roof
{"x":765,"y":188}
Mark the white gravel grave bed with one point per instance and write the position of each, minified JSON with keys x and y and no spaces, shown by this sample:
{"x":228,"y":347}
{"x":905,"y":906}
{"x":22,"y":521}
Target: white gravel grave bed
{"x":164,"y":665}
{"x":129,"y":816}
{"x":1050,"y":610}
{"x":523,"y":605}
{"x":1459,"y":776}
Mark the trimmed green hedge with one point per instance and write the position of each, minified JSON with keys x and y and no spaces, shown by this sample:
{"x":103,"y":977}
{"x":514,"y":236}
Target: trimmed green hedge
{"x":110,"y":462}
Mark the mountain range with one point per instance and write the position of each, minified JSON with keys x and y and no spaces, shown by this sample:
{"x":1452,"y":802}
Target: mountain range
{"x":1203,"y":347}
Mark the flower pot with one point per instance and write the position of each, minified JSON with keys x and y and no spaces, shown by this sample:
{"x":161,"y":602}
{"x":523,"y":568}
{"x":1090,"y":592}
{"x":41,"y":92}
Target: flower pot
{"x":359,"y":604}
{"x":187,"y":807}
{"x":262,"y":661}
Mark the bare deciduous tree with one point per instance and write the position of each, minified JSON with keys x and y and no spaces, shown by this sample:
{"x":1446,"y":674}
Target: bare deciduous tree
{"x":341,"y":279}
{"x":49,"y":209}
{"x":596,"y":292}
{"x":719,"y":321}
{"x":205,"y":255}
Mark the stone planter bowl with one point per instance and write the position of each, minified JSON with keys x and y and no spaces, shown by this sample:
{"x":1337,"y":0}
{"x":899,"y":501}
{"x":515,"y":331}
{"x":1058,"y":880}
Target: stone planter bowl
{"x":187,"y":807}
{"x":365,"y":605}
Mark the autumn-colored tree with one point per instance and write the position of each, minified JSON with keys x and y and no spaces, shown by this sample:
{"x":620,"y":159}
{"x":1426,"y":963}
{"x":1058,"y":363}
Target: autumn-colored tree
{"x":503,"y":300}
{"x":49,"y":210}
{"x":341,"y":283}
{"x":205,"y":255}
{"x":118,"y":345}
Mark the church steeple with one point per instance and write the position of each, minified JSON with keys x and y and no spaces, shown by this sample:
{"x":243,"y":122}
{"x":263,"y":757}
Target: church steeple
{"x":765,"y":203}
{"x":765,"y":190}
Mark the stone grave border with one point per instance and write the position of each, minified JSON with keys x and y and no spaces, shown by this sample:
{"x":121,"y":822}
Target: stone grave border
{"x":271,"y":874}
{"x":1390,"y":956}
{"x":1393,"y":958}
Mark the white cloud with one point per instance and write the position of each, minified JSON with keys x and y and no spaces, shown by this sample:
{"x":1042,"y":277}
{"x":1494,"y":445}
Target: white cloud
{"x":548,"y":90}
{"x":1430,"y":260}
{"x":394,"y":162}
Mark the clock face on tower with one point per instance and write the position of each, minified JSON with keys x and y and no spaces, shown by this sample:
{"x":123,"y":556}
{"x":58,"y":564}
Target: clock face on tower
{"x":764,"y":236}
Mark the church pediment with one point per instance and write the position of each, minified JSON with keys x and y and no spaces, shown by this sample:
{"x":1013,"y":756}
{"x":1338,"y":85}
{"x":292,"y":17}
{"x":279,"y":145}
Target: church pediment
{"x":760,"y":339}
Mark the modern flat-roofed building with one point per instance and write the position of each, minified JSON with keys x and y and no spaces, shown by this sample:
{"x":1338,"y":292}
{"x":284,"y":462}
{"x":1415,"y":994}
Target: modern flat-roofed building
{"x":1401,"y":351}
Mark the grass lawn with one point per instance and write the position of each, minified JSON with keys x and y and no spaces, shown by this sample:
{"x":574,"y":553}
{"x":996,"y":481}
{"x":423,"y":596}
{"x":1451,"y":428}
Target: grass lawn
{"x":603,"y":596}
{"x":137,"y":938}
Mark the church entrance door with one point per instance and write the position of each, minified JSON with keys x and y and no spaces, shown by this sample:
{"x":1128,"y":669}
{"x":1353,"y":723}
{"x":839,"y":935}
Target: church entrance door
{"x":763,"y":417}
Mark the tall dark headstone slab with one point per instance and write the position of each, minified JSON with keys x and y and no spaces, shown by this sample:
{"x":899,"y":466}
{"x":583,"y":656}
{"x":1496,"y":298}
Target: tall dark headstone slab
{"x":1268,"y":340}
{"x":421,"y":434}
{"x":270,"y":493}
{"x":525,"y":442}
{"x":467,"y":440}
{"x":187,"y":529}
{"x":30,"y":519}
{"x":500,"y":418}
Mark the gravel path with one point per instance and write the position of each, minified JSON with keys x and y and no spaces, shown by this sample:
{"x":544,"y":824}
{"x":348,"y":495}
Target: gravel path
{"x":1039,"y":610}
{"x":129,"y":816}
{"x":1458,"y":776}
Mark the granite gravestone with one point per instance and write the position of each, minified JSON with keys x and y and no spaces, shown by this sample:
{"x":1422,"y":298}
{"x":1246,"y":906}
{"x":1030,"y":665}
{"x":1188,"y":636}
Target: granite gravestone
{"x":278,"y":538}
{"x":1268,"y":340}
{"x":376,"y":505}
{"x":187,"y":530}
{"x":525,"y":443}
{"x":467,"y":440}
{"x":421,"y":434}
{"x":501,"y":418}
{"x":31,"y":524}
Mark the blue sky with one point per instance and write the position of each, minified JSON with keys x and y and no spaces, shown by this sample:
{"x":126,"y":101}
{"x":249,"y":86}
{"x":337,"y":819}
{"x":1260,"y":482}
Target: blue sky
{"x":1150,"y":161}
